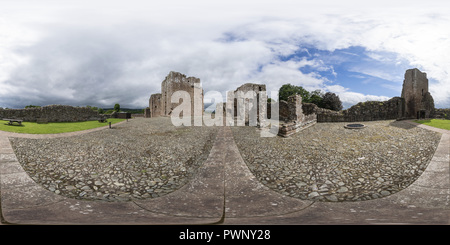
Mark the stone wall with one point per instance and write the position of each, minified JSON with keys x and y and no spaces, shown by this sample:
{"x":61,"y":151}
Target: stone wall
{"x":418,"y":100}
{"x":176,"y":81}
{"x":427,"y":109}
{"x":442,"y":113}
{"x":147,"y":112}
{"x":161,"y":105}
{"x":283,"y":110}
{"x":294,"y":116}
{"x":51,"y":113}
{"x":363,"y":111}
{"x":246,"y":102}
{"x":155,"y":105}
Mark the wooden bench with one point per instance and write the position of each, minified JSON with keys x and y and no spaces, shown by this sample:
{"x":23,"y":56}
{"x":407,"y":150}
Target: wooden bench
{"x":11,"y":121}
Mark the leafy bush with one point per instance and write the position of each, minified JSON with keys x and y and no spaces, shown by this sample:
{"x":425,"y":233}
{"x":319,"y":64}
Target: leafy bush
{"x":117,"y":107}
{"x":287,"y":90}
{"x":328,"y":100}
{"x":331,"y":101}
{"x":32,"y":106}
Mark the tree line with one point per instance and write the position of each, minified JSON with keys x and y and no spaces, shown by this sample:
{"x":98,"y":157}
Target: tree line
{"x":326,"y":100}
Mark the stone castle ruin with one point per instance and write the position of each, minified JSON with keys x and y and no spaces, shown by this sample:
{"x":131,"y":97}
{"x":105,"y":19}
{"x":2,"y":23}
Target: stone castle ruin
{"x":296,"y":115}
{"x":415,"y":102}
{"x":249,"y":102}
{"x":160,"y":104}
{"x":418,"y":101}
{"x":246,"y":105}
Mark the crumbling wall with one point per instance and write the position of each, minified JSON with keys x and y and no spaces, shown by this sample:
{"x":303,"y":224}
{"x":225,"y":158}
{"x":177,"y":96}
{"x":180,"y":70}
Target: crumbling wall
{"x":364,"y":111}
{"x":294,"y":117}
{"x":161,"y":105}
{"x":155,"y":105}
{"x":176,"y":81}
{"x":247,"y":100}
{"x":51,"y":113}
{"x":442,"y":113}
{"x":283,"y":110}
{"x":147,"y":113}
{"x":418,"y":100}
{"x":427,"y":109}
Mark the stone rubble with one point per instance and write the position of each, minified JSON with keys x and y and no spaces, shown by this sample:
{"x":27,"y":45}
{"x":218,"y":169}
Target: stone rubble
{"x":330,"y":163}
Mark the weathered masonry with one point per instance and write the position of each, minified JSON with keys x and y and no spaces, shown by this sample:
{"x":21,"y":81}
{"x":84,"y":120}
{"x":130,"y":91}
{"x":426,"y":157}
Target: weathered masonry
{"x":296,"y":116}
{"x":160,"y":104}
{"x":418,"y":101}
{"x":51,"y":113}
{"x":415,"y":102}
{"x":155,"y":103}
{"x":247,"y":105}
{"x":364,"y":111}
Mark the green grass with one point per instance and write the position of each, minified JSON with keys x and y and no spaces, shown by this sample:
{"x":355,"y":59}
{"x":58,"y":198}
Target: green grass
{"x":437,"y":123}
{"x":54,"y":127}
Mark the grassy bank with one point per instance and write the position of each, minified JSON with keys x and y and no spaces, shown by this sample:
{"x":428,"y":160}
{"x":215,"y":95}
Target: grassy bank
{"x":437,"y":123}
{"x":54,"y":127}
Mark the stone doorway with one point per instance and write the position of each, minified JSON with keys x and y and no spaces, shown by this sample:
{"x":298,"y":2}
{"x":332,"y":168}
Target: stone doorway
{"x":421,"y":114}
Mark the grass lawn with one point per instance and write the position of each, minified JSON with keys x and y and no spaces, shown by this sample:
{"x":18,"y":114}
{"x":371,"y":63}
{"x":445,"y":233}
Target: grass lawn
{"x":437,"y":123}
{"x":54,"y":127}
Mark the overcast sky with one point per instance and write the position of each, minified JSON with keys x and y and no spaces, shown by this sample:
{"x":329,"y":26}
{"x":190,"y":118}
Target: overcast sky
{"x":100,"y":53}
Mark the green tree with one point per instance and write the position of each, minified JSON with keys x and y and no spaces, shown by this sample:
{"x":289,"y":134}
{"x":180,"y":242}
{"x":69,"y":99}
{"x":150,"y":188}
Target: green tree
{"x":92,"y":107}
{"x":101,"y":111}
{"x":32,"y":106}
{"x":288,"y":89}
{"x":316,"y":97}
{"x":331,"y":101}
{"x":117,"y":107}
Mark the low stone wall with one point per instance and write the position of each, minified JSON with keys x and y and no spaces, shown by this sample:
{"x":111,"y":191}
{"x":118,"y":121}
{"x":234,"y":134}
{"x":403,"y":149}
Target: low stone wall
{"x":147,"y":112}
{"x":296,"y":115}
{"x":442,"y":113}
{"x":51,"y":113}
{"x":364,"y":111}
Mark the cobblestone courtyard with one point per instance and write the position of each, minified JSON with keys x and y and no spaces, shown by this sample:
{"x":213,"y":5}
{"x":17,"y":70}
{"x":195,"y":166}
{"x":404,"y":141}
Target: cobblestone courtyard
{"x":149,"y":158}
{"x":327,"y":162}
{"x":144,"y":172}
{"x":142,"y":158}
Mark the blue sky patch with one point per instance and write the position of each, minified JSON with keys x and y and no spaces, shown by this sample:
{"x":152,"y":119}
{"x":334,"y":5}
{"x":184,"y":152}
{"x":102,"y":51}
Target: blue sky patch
{"x":355,"y":68}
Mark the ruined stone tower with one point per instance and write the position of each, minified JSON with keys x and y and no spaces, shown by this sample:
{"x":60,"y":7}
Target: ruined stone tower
{"x":160,"y":103}
{"x":247,"y":95}
{"x":155,"y":105}
{"x":418,"y":101}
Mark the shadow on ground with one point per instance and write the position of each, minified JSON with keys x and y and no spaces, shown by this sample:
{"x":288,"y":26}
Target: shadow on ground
{"x":402,"y":124}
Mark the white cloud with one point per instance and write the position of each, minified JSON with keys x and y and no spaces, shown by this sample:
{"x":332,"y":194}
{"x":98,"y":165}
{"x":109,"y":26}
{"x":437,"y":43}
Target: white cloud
{"x":351,"y":98}
{"x":105,"y":51}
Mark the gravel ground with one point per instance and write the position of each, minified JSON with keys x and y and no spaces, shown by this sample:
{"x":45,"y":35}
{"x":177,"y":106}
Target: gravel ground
{"x":142,"y":158}
{"x":327,"y":162}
